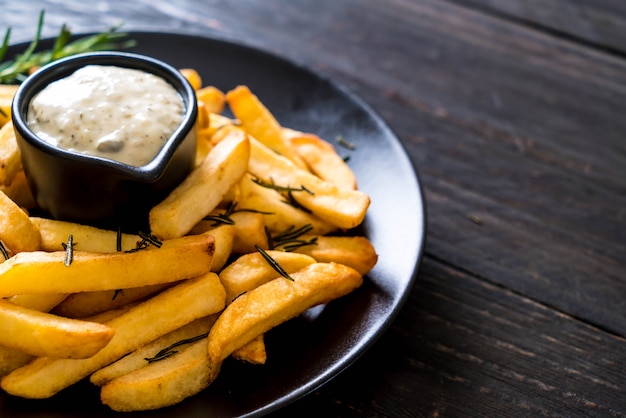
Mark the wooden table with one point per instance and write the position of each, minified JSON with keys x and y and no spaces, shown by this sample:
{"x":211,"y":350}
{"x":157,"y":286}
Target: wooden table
{"x":514,"y":114}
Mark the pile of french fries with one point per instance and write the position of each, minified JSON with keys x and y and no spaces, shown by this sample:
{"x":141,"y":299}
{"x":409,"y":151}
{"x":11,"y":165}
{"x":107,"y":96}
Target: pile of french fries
{"x":254,"y":236}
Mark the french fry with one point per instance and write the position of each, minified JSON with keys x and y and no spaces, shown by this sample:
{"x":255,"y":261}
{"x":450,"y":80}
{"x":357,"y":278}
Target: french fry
{"x":253,"y":352}
{"x":212,"y":98}
{"x":278,"y":214}
{"x":43,"y":334}
{"x":86,"y":238}
{"x":259,"y":122}
{"x":19,"y":191}
{"x":85,"y":304}
{"x":163,"y":313}
{"x":275,"y":302}
{"x":47,"y":272}
{"x":17,"y":232}
{"x":203,"y":189}
{"x":163,"y":383}
{"x":224,"y":236}
{"x":251,"y":270}
{"x":248,"y":229}
{"x":10,"y":159}
{"x":157,"y":350}
{"x":7,"y":91}
{"x":353,"y":251}
{"x":193,"y":77}
{"x":343,"y":208}
{"x":322,"y":159}
{"x":11,"y":359}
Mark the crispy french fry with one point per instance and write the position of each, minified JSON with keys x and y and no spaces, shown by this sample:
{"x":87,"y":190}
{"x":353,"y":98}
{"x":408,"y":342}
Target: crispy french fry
{"x":251,"y":270}
{"x":10,"y":159}
{"x":85,"y":304}
{"x":47,"y":272}
{"x":343,"y":208}
{"x":157,"y":350}
{"x":213,"y":98}
{"x":279,"y":215}
{"x":259,"y":122}
{"x":203,"y":189}
{"x":43,"y":334}
{"x":86,"y":238}
{"x":275,"y":302}
{"x":165,"y":312}
{"x":253,"y":352}
{"x":353,"y":251}
{"x":7,"y":91}
{"x":248,"y":229}
{"x":163,"y":383}
{"x":324,"y":161}
{"x":19,"y":191}
{"x":193,"y":77}
{"x":12,"y":359}
{"x":224,"y":236}
{"x":17,"y":232}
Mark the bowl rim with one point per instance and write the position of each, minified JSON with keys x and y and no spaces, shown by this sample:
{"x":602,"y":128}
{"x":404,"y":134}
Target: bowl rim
{"x":63,"y":67}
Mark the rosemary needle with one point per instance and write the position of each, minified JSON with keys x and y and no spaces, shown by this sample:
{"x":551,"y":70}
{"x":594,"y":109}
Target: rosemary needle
{"x":16,"y":70}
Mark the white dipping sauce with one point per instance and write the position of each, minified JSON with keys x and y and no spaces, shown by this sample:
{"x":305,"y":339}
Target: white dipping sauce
{"x":117,"y":113}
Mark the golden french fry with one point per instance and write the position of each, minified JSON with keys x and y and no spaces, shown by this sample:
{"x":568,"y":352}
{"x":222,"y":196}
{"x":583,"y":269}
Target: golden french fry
{"x":47,"y":272}
{"x":19,"y":191}
{"x":7,"y":91}
{"x":193,"y":77}
{"x":11,"y":359}
{"x":10,"y":158}
{"x":353,"y":251}
{"x":343,"y":208}
{"x":212,"y":98}
{"x":279,"y":215}
{"x":224,"y":236}
{"x":163,"y":313}
{"x":85,"y":304}
{"x":163,"y":383}
{"x":253,"y":352}
{"x":17,"y":232}
{"x":277,"y":301}
{"x":86,"y":238}
{"x":259,"y":122}
{"x":43,"y":334}
{"x":248,"y":229}
{"x":203,"y":189}
{"x":157,"y":350}
{"x":249,"y":271}
{"x":323,"y":160}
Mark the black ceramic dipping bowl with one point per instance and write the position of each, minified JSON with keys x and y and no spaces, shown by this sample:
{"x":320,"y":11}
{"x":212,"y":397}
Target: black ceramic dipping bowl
{"x":81,"y":188}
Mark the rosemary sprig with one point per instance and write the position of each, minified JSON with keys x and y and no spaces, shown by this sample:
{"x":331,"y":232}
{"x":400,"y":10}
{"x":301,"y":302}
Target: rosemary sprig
{"x":16,"y":70}
{"x":274,"y":186}
{"x":345,"y":143}
{"x":169,"y":351}
{"x":273,"y":263}
{"x":69,"y":250}
{"x":146,"y":240}
{"x":225,"y":217}
{"x":4,"y":251}
{"x":289,"y":239}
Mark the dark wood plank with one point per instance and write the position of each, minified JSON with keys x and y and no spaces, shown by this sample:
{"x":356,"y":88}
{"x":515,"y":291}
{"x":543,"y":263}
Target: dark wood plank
{"x":597,"y":23}
{"x":462,"y":347}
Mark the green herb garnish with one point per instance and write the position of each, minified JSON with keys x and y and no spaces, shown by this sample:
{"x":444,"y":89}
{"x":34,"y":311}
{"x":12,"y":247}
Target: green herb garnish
{"x":69,"y":250}
{"x":169,"y":351}
{"x":4,"y":251}
{"x":146,"y":240}
{"x":225,"y":217}
{"x":290,"y":239}
{"x":273,"y":263}
{"x":16,"y":70}
{"x":344,"y":143}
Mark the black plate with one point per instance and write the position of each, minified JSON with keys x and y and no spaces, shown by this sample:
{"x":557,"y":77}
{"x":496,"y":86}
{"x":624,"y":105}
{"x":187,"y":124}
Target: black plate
{"x":310,"y":350}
